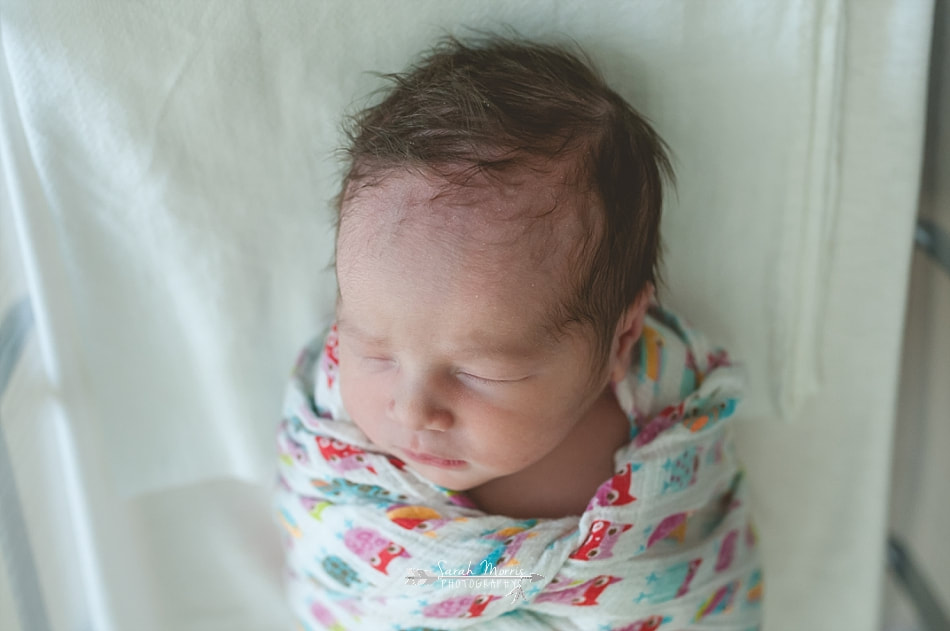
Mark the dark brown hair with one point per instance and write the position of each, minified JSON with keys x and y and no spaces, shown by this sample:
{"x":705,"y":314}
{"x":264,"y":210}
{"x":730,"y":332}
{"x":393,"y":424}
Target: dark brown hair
{"x":492,"y":105}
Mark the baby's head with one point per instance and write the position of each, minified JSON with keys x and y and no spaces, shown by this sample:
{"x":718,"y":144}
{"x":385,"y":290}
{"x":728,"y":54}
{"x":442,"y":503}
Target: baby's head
{"x":498,"y":244}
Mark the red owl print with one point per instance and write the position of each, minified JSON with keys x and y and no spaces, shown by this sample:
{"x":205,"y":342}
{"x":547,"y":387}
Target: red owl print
{"x":615,"y":491}
{"x":582,"y":595}
{"x":373,"y":548}
{"x":342,"y":457}
{"x":601,"y":539}
{"x":417,"y":518}
{"x":647,"y":624}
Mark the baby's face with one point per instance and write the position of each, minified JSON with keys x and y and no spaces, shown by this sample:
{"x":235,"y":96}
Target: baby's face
{"x":445,"y":360}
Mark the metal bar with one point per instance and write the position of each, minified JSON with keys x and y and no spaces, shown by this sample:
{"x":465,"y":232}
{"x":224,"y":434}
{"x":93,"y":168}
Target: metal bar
{"x":935,"y":242}
{"x":15,"y":550}
{"x":929,"y":613}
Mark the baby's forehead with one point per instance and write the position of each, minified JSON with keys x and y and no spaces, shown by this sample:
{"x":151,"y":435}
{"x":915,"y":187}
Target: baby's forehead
{"x":541,"y":211}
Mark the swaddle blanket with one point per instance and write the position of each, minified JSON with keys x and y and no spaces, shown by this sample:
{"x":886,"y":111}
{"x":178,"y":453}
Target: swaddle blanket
{"x":666,"y":543}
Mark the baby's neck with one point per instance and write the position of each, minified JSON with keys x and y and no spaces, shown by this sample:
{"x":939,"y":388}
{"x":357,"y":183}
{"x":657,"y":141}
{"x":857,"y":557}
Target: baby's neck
{"x":563,"y":482}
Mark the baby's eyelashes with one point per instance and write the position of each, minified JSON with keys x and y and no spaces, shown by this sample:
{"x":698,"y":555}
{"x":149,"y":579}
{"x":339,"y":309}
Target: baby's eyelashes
{"x":466,"y":376}
{"x":382,"y":363}
{"x":486,"y":380}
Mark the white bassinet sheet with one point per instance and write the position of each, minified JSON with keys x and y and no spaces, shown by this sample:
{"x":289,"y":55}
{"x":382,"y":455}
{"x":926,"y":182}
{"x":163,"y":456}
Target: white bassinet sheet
{"x":170,"y":167}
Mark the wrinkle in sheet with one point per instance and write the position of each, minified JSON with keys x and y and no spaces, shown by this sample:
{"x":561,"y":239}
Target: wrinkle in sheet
{"x":800,"y":291}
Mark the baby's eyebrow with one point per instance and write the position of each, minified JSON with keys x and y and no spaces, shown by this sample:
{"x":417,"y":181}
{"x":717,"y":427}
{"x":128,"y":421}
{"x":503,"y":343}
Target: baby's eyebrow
{"x":351,"y":329}
{"x":481,"y":345}
{"x":525,"y":346}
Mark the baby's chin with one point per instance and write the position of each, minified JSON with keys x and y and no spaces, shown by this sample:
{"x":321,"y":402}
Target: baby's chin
{"x":459,"y":479}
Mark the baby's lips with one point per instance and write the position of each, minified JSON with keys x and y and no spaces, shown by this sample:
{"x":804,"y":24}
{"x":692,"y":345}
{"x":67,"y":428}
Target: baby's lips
{"x":435,"y":461}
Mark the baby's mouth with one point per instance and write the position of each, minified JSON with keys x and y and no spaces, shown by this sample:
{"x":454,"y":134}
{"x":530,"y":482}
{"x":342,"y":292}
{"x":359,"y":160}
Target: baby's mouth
{"x":434,"y":461}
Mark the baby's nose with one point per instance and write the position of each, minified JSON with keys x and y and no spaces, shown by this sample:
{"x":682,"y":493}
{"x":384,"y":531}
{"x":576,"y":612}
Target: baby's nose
{"x":417,"y":406}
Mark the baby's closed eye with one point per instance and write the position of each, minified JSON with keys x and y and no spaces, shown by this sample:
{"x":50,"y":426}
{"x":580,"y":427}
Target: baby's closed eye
{"x":479,"y":378}
{"x":379,"y":362}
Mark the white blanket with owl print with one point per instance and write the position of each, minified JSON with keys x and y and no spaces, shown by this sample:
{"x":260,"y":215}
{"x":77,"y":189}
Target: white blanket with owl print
{"x":666,"y":543}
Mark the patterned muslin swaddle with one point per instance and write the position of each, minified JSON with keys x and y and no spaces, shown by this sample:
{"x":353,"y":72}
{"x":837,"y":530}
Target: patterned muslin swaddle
{"x":666,"y":543}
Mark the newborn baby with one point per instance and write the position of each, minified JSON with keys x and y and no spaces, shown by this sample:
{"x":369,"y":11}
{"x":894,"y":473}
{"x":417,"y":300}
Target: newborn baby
{"x":503,"y":428}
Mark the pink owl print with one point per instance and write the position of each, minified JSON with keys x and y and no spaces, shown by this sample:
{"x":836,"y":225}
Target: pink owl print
{"x":615,"y":491}
{"x":513,"y":538}
{"x":601,"y":539}
{"x":324,"y":616}
{"x":715,"y":454}
{"x":373,"y":548}
{"x":314,"y":506}
{"x":672,"y":526}
{"x":289,"y":448}
{"x":460,"y":607}
{"x":351,"y":606}
{"x":727,"y":551}
{"x":681,"y":470}
{"x":331,"y":357}
{"x":583,"y":595}
{"x":667,"y":418}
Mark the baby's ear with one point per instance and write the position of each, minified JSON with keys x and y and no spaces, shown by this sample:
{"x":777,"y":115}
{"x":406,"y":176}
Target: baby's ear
{"x":628,"y":332}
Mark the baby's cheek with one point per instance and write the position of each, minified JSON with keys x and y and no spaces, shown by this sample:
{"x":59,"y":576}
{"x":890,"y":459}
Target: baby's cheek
{"x":365,"y":405}
{"x":502,"y":437}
